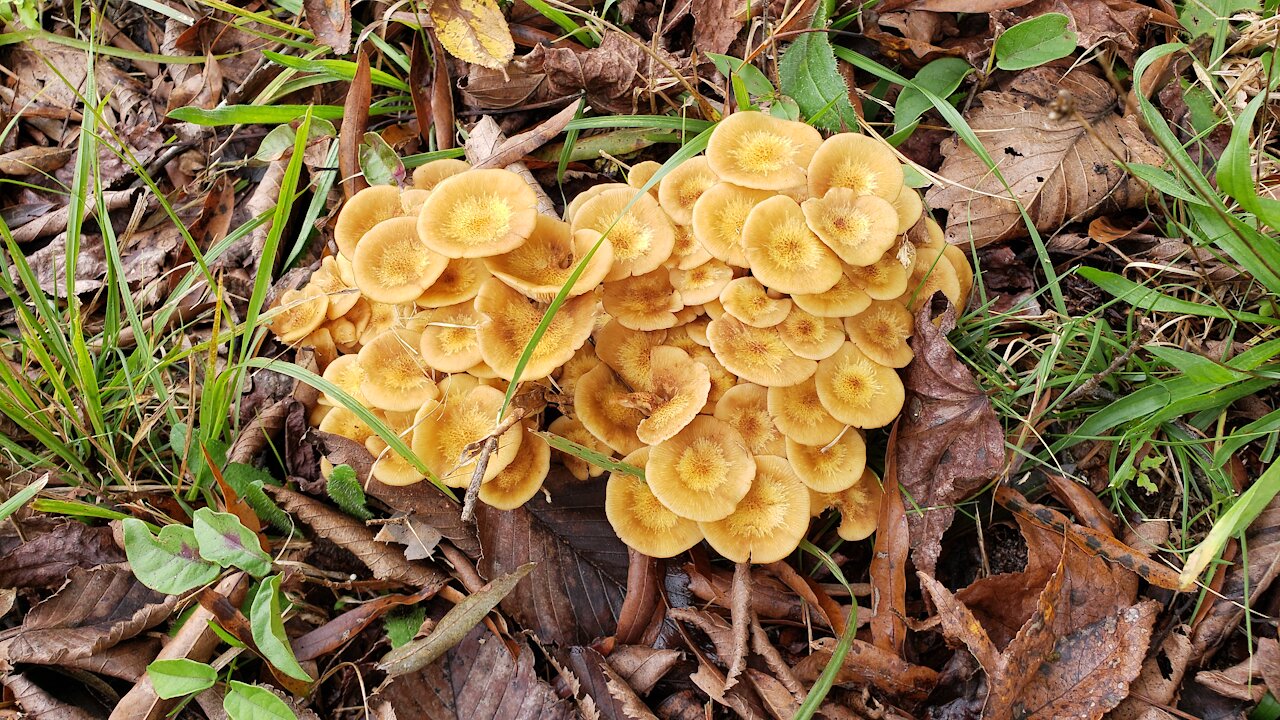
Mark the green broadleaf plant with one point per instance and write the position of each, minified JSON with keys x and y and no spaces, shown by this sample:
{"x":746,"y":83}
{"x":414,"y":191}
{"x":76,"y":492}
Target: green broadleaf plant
{"x":251,"y":702}
{"x":379,"y":161}
{"x":1033,"y":42}
{"x":178,"y":677}
{"x":170,"y":563}
{"x":809,"y":75}
{"x":225,"y":540}
{"x":266,"y":620}
{"x":344,"y":488}
{"x":941,"y":77}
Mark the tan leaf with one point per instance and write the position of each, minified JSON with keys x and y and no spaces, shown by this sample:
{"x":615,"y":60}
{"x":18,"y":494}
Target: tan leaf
{"x":474,"y":31}
{"x":1060,"y":170}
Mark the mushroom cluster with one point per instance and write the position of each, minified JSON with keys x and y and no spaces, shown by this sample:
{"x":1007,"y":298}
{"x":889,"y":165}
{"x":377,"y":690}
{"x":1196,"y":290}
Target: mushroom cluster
{"x":734,"y":334}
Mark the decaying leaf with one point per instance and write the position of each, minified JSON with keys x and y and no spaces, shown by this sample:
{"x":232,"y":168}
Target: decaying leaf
{"x":867,"y":666}
{"x":417,"y":537}
{"x":949,"y":440}
{"x":473,"y":30}
{"x":642,"y":666}
{"x":889,"y":560}
{"x":330,"y":20}
{"x":38,"y":702}
{"x":1060,"y":171}
{"x":615,"y":76}
{"x":46,"y":560}
{"x":715,"y":24}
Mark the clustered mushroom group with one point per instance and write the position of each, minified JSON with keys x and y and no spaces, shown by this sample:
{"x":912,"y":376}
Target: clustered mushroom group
{"x":733,"y":335}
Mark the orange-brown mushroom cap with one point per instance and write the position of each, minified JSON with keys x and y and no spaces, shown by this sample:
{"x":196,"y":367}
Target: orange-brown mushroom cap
{"x":444,"y":428}
{"x":640,"y":174}
{"x":849,"y":160}
{"x":857,"y":390}
{"x":703,"y":471}
{"x":881,"y":333}
{"x":597,"y":401}
{"x":541,"y":266}
{"x":718,"y":217}
{"x":642,"y":236}
{"x":799,"y":414}
{"x":678,"y":388}
{"x":571,"y":210}
{"x":842,"y":300}
{"x":345,"y":372}
{"x":680,"y":189}
{"x":392,"y":265}
{"x":643,"y":302}
{"x":687,"y":251}
{"x":299,"y":313}
{"x":810,"y":336}
{"x":832,"y":467}
{"x":627,"y":351}
{"x":769,"y":522}
{"x":341,"y":421}
{"x":859,"y":507}
{"x":932,"y":273}
{"x":396,"y":378}
{"x":745,"y":407}
{"x":330,"y":280}
{"x":509,"y":321}
{"x":909,"y":207}
{"x":859,"y":228}
{"x":757,"y":355}
{"x":521,"y":480}
{"x":756,"y":150}
{"x":746,"y":299}
{"x":885,"y":279}
{"x":640,"y":520}
{"x":459,"y":282}
{"x":571,"y":428}
{"x":429,"y":175}
{"x":784,"y":253}
{"x":450,"y":342}
{"x":365,"y":209}
{"x":959,"y":262}
{"x":388,"y":466}
{"x":568,"y":374}
{"x":478,"y":213}
{"x":702,"y":283}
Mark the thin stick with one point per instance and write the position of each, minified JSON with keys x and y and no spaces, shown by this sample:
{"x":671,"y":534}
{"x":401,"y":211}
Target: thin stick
{"x":477,"y":477}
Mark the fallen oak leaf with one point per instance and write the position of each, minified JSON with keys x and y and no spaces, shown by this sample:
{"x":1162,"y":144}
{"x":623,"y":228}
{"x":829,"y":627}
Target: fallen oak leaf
{"x":869,"y":666}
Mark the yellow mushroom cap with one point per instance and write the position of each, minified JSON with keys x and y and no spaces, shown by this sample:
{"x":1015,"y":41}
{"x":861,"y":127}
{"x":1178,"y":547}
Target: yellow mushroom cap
{"x":757,"y":355}
{"x":858,"y":162}
{"x":643,"y":302}
{"x":521,"y":480}
{"x":678,"y":336}
{"x":687,"y":251}
{"x":745,"y":299}
{"x":346,"y":373}
{"x":832,"y":467}
{"x":341,"y":421}
{"x":322,"y":346}
{"x":316,"y":415}
{"x":542,"y":265}
{"x":859,"y":228}
{"x":745,"y":407}
{"x":458,"y":282}
{"x":299,"y":313}
{"x":959,"y":262}
{"x":478,"y":213}
{"x":395,"y":376}
{"x":571,"y":428}
{"x":909,"y":208}
{"x":881,"y":333}
{"x":429,"y":175}
{"x":857,"y":390}
{"x":885,"y":279}
{"x":756,"y":150}
{"x":510,"y":320}
{"x":443,"y":429}
{"x":843,"y":300}
{"x":933,"y":236}
{"x":411,"y":200}
{"x":345,"y":335}
{"x":703,"y":471}
{"x":932,"y":273}
{"x":680,"y":189}
{"x":677,"y":390}
{"x":571,"y":210}
{"x":718,"y":218}
{"x":328,"y":279}
{"x":640,"y":174}
{"x":568,"y":374}
{"x":597,"y":401}
{"x":627,"y":351}
{"x":365,"y":209}
{"x":382,"y":317}
{"x":798,"y":413}
{"x":642,"y":236}
{"x":784,"y":253}
{"x":859,"y":507}
{"x":810,"y":336}
{"x":640,"y":520}
{"x":388,"y":467}
{"x":392,"y":265}
{"x":702,"y":283}
{"x":769,"y":522}
{"x":696,"y":331}
{"x":450,"y":342}
{"x":721,"y":379}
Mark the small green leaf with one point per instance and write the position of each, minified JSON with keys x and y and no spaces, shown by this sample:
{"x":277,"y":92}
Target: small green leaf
{"x":379,"y":161}
{"x":1033,"y":42}
{"x":267,"y":622}
{"x":343,"y":487}
{"x":1235,"y":169}
{"x":402,"y":626}
{"x":1231,"y":523}
{"x":1201,"y":17}
{"x":1196,"y":366}
{"x":247,"y":481}
{"x":175,"y":678}
{"x":941,"y":77}
{"x":21,"y":497}
{"x":250,"y":702}
{"x":808,"y":74}
{"x":785,"y":108}
{"x":1162,"y":181}
{"x":225,"y":540}
{"x":170,"y":563}
{"x":755,"y":82}
{"x":913,"y":178}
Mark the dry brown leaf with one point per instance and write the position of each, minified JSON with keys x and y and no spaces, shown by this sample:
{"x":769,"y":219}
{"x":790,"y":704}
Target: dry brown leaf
{"x":1159,"y":680}
{"x":46,"y":560}
{"x":355,"y":120}
{"x":949,"y":441}
{"x":418,"y":538}
{"x":770,"y":599}
{"x":715,"y":24}
{"x":974,"y":6}
{"x":642,"y":666}
{"x":516,"y":147}
{"x":889,"y":560}
{"x":473,"y":30}
{"x":40,"y":704}
{"x":56,"y":221}
{"x":330,"y":20}
{"x":959,"y":623}
{"x":343,"y":628}
{"x":868,"y":666}
{"x":632,"y":706}
{"x":616,"y":76}
{"x":127,"y":661}
{"x":33,"y":160}
{"x":780,"y":703}
{"x":348,"y":533}
{"x":607,"y":691}
{"x":642,"y":602}
{"x":1060,"y":171}
{"x":741,"y":619}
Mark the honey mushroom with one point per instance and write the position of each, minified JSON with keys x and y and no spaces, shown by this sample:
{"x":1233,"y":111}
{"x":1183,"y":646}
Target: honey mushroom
{"x":392,"y":265}
{"x":881,"y":333}
{"x":703,"y":471}
{"x":642,"y":236}
{"x":680,"y":189}
{"x":444,"y":428}
{"x":784,"y":253}
{"x":718,"y":218}
{"x":364,"y":210}
{"x":857,"y":162}
{"x":641,"y":520}
{"x":428,"y":175}
{"x":770,"y":520}
{"x":478,"y":213}
{"x":755,"y":150}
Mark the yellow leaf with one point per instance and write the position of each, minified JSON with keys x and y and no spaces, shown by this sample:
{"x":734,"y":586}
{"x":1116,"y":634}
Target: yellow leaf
{"x":474,"y":31}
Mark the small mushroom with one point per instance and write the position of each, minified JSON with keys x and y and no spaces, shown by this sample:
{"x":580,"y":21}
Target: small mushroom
{"x":388,"y":467}
{"x":932,"y":273}
{"x":429,"y":175}
{"x":627,"y":352}
{"x":881,"y":333}
{"x":395,"y":376}
{"x":329,"y":280}
{"x":859,"y":228}
{"x":784,"y":253}
{"x":703,"y":471}
{"x":832,"y":467}
{"x":640,"y":174}
{"x":521,"y":480}
{"x":444,"y":428}
{"x":641,"y":235}
{"x":799,"y":414}
{"x":510,"y":320}
{"x":382,"y":317}
{"x":718,"y":217}
{"x":298,"y":314}
{"x":745,"y":407}
{"x":542,"y":265}
{"x":450,"y":342}
{"x":864,"y":165}
{"x":392,"y":265}
{"x":959,"y":262}
{"x":745,"y":299}
{"x":643,"y":302}
{"x":459,"y":282}
{"x":687,"y":252}
{"x":885,"y":279}
{"x":756,"y":355}
{"x":680,"y":189}
{"x":322,"y":347}
{"x":640,"y":520}
{"x":677,"y":390}
{"x":344,"y":372}
{"x":344,"y":423}
{"x":365,"y":209}
{"x":571,"y":428}
{"x":478,"y":213}
{"x":858,"y":391}
{"x":568,"y":374}
{"x":810,"y":336}
{"x":756,"y":150}
{"x":597,"y":402}
{"x":721,"y":379}
{"x":859,"y":507}
{"x":571,"y":210}
{"x":909,"y":208}
{"x":702,"y":283}
{"x":770,"y":520}
{"x":842,"y":300}
{"x":411,"y":200}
